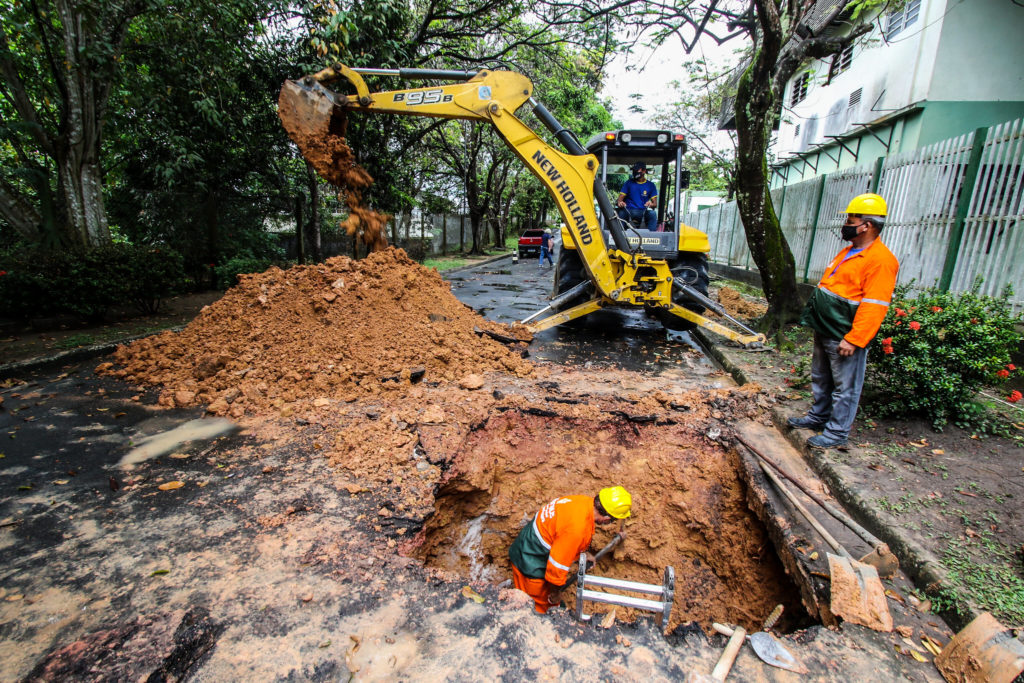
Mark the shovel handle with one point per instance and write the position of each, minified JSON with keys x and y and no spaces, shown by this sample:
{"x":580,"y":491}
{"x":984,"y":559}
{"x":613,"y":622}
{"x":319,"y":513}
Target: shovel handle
{"x":600,"y":553}
{"x":784,"y":490}
{"x":732,"y":648}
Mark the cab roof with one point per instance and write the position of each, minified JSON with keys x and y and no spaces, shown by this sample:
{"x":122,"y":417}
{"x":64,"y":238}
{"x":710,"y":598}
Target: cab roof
{"x":628,"y":146}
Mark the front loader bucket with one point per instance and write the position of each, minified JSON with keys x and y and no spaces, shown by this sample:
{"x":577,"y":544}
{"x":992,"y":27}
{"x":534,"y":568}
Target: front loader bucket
{"x":316,"y":124}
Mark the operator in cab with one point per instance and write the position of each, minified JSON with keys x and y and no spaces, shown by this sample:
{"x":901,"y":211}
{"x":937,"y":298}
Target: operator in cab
{"x":638,"y":198}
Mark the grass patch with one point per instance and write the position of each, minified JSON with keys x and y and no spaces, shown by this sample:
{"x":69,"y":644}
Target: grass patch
{"x":741,"y":287}
{"x":982,"y":571}
{"x":76,"y":340}
{"x":445,"y":263}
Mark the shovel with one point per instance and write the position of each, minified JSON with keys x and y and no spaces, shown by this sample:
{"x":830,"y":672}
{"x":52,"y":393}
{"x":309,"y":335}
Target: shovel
{"x":857,"y":592}
{"x":768,"y":649}
{"x":880,"y":557}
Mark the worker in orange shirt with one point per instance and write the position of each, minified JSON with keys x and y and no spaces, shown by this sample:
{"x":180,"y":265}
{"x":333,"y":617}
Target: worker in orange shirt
{"x":546,"y":547}
{"x":845,"y":312}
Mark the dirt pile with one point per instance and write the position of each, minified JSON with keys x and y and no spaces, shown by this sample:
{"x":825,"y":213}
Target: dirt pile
{"x":319,"y":133}
{"x":313,"y":336}
{"x":739,"y":306}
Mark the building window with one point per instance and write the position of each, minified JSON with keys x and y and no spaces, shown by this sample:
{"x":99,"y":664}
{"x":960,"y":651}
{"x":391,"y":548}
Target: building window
{"x":840,"y":62}
{"x":799,"y":93}
{"x":902,"y":18}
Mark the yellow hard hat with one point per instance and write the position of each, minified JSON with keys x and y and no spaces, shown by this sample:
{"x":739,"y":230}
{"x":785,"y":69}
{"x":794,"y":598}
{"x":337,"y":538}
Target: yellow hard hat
{"x":867,"y":205}
{"x":616,"y":501}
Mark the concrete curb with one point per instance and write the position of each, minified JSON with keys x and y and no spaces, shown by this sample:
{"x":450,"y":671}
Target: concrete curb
{"x":74,"y":355}
{"x":915,"y":561}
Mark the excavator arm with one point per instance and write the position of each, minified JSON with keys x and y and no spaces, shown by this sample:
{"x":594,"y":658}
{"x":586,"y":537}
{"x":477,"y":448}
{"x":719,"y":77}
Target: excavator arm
{"x":310,"y":113}
{"x":488,"y":96}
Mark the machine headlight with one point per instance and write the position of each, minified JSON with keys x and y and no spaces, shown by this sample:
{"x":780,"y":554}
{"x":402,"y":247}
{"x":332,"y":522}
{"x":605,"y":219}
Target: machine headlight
{"x":625,"y":137}
{"x":662,"y":138}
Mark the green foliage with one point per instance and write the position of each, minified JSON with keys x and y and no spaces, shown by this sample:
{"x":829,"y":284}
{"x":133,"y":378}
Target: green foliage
{"x":87,"y":283}
{"x":227,"y":274}
{"x":934,"y":352}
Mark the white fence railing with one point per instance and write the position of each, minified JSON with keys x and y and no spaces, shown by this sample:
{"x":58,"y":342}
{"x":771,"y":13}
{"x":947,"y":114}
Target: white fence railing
{"x":956,"y":214}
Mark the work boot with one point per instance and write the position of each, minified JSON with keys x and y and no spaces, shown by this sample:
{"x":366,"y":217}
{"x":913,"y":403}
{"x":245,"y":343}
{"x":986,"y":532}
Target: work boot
{"x":805,"y":422}
{"x":822,"y":441}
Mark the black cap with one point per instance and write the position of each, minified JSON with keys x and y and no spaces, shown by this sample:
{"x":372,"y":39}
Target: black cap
{"x":639,"y":166}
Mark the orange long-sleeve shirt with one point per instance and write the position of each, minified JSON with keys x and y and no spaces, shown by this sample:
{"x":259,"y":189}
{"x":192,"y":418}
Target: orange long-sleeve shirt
{"x":854,"y":294}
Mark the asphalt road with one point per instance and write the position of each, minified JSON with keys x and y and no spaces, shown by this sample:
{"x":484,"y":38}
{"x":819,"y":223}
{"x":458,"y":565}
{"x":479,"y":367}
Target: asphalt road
{"x":508,"y":292}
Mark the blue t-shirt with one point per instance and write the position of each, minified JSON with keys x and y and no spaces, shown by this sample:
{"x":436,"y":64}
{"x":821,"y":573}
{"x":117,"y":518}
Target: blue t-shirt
{"x":638,"y":194}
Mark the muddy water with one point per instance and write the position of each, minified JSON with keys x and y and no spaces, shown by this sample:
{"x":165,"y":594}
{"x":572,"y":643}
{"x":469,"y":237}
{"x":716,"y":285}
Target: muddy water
{"x":689,"y":511}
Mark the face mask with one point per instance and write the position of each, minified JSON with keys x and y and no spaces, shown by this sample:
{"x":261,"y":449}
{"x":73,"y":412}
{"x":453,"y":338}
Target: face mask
{"x":637,"y":173}
{"x":849,"y":232}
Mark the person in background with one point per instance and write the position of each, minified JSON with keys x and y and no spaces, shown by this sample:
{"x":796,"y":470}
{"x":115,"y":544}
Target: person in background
{"x":545,"y":247}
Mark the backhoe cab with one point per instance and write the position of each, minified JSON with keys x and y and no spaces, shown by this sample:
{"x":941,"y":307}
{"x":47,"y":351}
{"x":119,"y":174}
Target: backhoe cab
{"x":611,"y":264}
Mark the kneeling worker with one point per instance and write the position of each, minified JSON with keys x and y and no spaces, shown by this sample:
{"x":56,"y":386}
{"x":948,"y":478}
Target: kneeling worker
{"x":546,"y":547}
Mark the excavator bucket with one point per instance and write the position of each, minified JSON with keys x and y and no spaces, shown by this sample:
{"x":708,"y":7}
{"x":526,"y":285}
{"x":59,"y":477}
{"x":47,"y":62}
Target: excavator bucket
{"x":316,"y":124}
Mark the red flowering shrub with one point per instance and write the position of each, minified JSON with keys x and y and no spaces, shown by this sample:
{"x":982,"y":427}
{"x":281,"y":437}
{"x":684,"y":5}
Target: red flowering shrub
{"x":935,"y":365}
{"x":1014,"y":396}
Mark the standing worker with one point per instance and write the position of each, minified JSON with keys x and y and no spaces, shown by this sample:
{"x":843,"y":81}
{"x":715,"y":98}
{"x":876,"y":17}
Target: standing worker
{"x":845,"y":312}
{"x":545,"y":247}
{"x":546,"y":547}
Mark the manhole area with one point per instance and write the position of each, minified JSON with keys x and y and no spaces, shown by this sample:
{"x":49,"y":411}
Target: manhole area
{"x":689,"y":511}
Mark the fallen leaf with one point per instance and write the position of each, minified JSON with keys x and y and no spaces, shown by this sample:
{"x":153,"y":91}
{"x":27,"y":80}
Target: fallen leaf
{"x":938,"y":451}
{"x":876,"y":467}
{"x":171,"y":485}
{"x":14,"y":598}
{"x":814,"y":555}
{"x":905,"y":631}
{"x":324,"y":644}
{"x":468,"y":592}
{"x":931,"y":645}
{"x":160,"y":572}
{"x":357,"y":641}
{"x":895,"y":596}
{"x":608,"y":620}
{"x":916,"y":655}
{"x":918,"y":445}
{"x":968,"y":493}
{"x":179,"y":456}
{"x":60,"y":482}
{"x":913,"y":645}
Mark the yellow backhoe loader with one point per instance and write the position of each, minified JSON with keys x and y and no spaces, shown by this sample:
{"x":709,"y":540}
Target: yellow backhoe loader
{"x":622,"y":273}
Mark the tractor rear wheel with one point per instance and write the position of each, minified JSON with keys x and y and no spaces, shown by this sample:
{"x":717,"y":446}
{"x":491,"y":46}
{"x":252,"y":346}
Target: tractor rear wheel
{"x":569,"y":272}
{"x":690,"y":269}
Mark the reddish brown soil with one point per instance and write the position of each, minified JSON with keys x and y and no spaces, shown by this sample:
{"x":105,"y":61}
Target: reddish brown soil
{"x":316,"y":335}
{"x":689,"y":504}
{"x":739,"y":306}
{"x":320,"y":137}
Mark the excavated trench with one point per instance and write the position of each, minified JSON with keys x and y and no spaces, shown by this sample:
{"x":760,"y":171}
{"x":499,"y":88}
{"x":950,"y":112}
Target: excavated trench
{"x":689,"y":511}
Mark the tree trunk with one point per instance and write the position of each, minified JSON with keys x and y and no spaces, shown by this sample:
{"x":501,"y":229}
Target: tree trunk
{"x":81,"y":186}
{"x":755,"y":112}
{"x":300,"y":238}
{"x":210,"y":210}
{"x":316,"y":251}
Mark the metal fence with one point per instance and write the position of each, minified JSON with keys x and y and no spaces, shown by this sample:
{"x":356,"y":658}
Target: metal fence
{"x":955,"y":214}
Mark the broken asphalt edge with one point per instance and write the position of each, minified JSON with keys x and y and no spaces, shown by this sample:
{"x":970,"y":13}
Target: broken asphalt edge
{"x":75,"y":355}
{"x":84,"y":353}
{"x":917,"y":562}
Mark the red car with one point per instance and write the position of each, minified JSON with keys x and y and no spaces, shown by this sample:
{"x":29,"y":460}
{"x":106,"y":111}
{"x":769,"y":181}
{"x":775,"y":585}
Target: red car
{"x":529,"y":243}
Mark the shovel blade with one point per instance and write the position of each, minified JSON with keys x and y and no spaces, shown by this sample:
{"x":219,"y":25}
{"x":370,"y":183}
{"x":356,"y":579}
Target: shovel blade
{"x":772,"y":652}
{"x":858,"y":595}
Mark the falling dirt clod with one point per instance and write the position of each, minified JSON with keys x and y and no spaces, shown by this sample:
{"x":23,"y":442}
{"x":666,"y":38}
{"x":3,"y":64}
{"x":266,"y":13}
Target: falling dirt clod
{"x":318,"y":128}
